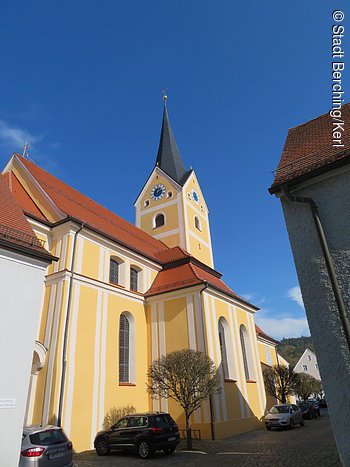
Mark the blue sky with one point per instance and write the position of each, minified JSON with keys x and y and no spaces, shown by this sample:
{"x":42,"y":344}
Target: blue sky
{"x":82,"y":82}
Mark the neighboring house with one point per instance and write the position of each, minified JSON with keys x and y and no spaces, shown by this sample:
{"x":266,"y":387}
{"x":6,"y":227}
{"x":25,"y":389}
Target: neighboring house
{"x":312,"y":181}
{"x":307,"y":364}
{"x":121,"y":296}
{"x":23,"y":263}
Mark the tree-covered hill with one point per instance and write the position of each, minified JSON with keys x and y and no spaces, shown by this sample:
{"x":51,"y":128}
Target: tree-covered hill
{"x":292,"y":348}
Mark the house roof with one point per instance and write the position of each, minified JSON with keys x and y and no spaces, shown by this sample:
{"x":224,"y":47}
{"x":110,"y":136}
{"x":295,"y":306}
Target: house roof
{"x":168,"y":157}
{"x":78,"y":206}
{"x":263,"y":335}
{"x":15,"y":230}
{"x":182,"y":270}
{"x":309,"y":150}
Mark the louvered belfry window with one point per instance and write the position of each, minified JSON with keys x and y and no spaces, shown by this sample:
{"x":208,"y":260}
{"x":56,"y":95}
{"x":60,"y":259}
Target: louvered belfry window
{"x":113,"y":272}
{"x":133,"y":279}
{"x":223,"y":350}
{"x":124,"y":349}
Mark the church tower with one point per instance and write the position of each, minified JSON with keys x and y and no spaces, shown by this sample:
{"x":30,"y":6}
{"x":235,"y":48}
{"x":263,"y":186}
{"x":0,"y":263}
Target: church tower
{"x":171,"y":206}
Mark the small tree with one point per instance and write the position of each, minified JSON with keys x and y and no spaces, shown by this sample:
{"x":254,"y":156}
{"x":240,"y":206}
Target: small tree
{"x":185,"y":376}
{"x":318,"y":389}
{"x":116,"y":413}
{"x":280,"y":381}
{"x":306,"y":386}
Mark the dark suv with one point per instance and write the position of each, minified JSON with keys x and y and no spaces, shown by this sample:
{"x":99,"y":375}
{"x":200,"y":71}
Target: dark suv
{"x":145,"y":433}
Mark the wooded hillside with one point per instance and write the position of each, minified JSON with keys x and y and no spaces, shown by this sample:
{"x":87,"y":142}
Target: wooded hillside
{"x":292,"y":348}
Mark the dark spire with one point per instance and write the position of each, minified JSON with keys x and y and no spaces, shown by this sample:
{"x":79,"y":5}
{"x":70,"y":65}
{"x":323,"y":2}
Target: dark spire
{"x":168,"y":157}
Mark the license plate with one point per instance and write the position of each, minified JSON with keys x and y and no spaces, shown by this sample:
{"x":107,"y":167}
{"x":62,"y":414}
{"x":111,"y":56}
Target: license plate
{"x":55,"y":455}
{"x":172,"y":438}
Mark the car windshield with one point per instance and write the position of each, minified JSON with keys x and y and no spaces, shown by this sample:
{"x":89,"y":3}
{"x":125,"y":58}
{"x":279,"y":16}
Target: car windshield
{"x":280,"y":409}
{"x":48,"y":437}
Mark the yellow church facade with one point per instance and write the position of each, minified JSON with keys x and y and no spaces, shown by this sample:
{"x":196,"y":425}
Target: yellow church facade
{"x":121,"y":296}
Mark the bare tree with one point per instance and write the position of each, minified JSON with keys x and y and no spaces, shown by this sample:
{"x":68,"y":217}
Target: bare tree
{"x":306,"y":386}
{"x":280,"y":381}
{"x":186,"y":376}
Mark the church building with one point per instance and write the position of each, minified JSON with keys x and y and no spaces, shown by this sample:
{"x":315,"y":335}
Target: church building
{"x":120,"y":296}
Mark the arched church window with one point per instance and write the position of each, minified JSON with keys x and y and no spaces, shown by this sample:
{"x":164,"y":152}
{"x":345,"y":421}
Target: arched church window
{"x":134,"y":276}
{"x":222,"y":341}
{"x":246,"y":353}
{"x":197,"y":223}
{"x":159,"y":220}
{"x":124,"y":349}
{"x":127,"y":366}
{"x":114,"y":271}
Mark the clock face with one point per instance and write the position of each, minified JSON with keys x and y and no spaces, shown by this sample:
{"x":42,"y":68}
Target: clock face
{"x":158,"y":192}
{"x":195,"y":196}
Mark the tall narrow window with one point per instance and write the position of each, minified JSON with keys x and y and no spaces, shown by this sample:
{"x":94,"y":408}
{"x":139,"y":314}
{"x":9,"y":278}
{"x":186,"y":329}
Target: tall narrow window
{"x":246,"y":354}
{"x":222,"y":341}
{"x":197,"y":223}
{"x":159,"y":220}
{"x":113,"y":272}
{"x":134,"y":279}
{"x":124,"y":349}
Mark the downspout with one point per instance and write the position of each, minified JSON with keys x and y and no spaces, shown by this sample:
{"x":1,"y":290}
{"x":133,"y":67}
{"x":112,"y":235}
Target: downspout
{"x":343,"y":316}
{"x":66,"y":327}
{"x":205,"y":350}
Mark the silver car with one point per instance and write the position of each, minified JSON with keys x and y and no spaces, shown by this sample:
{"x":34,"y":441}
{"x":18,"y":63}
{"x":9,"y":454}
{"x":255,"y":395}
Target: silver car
{"x":286,"y":415}
{"x":45,"y":446}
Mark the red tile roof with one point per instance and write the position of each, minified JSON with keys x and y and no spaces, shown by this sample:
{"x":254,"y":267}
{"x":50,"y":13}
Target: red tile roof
{"x":262,"y":334}
{"x":74,"y":204}
{"x":309,"y":147}
{"x":15,"y":230}
{"x":183,"y":270}
{"x":22,"y":197}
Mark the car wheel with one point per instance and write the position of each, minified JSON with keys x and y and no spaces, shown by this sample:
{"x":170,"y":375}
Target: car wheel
{"x":291,"y":425}
{"x":169,"y":451}
{"x":302,"y":423}
{"x":144,"y":450}
{"x":102,"y":447}
{"x":268,"y":428}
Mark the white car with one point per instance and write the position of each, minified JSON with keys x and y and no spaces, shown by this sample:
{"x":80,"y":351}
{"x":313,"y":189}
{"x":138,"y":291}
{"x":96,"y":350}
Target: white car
{"x":286,"y":415}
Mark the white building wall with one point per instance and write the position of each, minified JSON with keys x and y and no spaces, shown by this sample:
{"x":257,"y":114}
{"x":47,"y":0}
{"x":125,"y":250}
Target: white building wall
{"x":21,"y":284}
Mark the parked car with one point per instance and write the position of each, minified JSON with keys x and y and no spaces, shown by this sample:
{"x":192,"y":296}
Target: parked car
{"x":308,"y":410}
{"x":322,"y":403}
{"x":144,"y":433}
{"x":314,"y":402}
{"x":45,"y":446}
{"x":286,"y":415}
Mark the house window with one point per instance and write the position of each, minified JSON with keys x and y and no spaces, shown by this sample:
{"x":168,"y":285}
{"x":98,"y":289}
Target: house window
{"x":246,"y":354}
{"x":304,"y":367}
{"x":134,"y":279}
{"x":197,"y":223}
{"x":222,"y":341}
{"x":114,"y":271}
{"x":124,"y":349}
{"x":316,"y":366}
{"x":159,"y":221}
{"x":309,"y":358}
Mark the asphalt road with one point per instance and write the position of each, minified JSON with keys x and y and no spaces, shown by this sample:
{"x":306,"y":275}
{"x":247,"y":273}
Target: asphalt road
{"x":312,"y":445}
